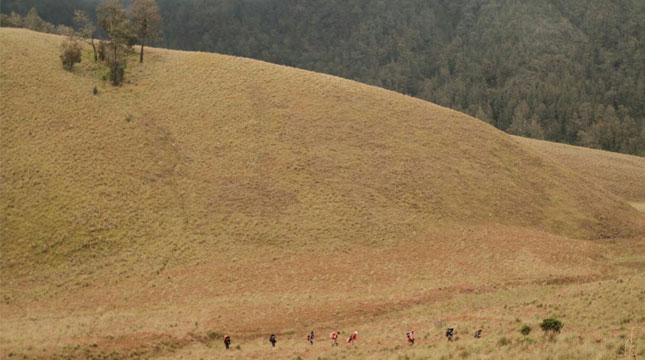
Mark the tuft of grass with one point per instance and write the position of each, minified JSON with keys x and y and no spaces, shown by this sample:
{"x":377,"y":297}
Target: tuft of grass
{"x":525,"y":330}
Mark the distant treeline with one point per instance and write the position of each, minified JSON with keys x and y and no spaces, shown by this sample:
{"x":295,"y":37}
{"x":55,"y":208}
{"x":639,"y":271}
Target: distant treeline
{"x":33,"y":21}
{"x":564,"y":70}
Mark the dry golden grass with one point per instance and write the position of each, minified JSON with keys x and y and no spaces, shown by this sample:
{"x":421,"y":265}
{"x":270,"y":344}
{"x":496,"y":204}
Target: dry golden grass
{"x":214,"y":193}
{"x":621,"y":174}
{"x":202,"y":152}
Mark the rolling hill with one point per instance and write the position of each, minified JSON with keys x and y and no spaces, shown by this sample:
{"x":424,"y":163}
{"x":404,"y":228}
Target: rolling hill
{"x":215,"y":192}
{"x":620,"y":174}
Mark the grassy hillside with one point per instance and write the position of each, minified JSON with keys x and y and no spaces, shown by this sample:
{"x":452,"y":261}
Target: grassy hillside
{"x":560,"y":70}
{"x":202,"y":150}
{"x":215,"y":194}
{"x":621,"y":174}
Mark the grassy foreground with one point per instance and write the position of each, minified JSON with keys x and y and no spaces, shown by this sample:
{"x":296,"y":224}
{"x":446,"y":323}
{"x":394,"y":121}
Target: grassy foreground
{"x":602,"y":314}
{"x":213,"y":194}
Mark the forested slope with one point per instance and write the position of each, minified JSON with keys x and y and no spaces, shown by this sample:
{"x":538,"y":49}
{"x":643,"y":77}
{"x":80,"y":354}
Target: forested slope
{"x":561,"y":70}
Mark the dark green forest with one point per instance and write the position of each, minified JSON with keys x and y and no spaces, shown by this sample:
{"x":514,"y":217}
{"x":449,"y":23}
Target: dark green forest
{"x":570,"y":71}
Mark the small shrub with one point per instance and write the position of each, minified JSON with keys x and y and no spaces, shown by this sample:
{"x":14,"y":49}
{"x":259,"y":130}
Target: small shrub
{"x":551,"y":324}
{"x":526,"y":330}
{"x":117,"y":72}
{"x":503,"y":341}
{"x":71,"y":53}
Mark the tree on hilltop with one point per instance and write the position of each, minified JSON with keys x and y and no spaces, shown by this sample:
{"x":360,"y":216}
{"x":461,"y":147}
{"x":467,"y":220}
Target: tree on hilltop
{"x":146,"y":21}
{"x":112,"y":18}
{"x":85,"y":28}
{"x":33,"y":21}
{"x":12,"y":20}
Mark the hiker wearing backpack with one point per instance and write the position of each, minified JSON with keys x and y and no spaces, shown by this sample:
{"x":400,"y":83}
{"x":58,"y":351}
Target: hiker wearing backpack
{"x":450,"y":333}
{"x":352,"y":338}
{"x":272,"y":340}
{"x":227,"y":341}
{"x":310,"y":338}
{"x":410,"y":337}
{"x":334,"y":338}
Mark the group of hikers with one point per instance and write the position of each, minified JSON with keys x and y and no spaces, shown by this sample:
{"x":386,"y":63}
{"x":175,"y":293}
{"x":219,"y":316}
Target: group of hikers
{"x":351,"y":339}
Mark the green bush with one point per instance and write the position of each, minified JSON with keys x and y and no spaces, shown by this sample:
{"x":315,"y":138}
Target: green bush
{"x":71,"y":53}
{"x":551,"y":324}
{"x":526,"y":330}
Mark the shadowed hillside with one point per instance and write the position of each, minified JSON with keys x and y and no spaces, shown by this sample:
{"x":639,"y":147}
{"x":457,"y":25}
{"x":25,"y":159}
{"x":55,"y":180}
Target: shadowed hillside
{"x":212,"y":194}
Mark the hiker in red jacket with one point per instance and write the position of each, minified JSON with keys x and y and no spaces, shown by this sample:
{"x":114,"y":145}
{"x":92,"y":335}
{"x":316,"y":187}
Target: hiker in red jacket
{"x":227,"y":341}
{"x":334,"y":338}
{"x":410,"y":336}
{"x":352,"y":338}
{"x":310,"y":338}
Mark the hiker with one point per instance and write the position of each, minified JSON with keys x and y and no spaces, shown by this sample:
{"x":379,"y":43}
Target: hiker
{"x":334,"y":338}
{"x":410,"y":337}
{"x":352,"y":338}
{"x":227,"y":341}
{"x":310,"y":338}
{"x":478,"y":334}
{"x":272,"y":340}
{"x":449,"y":333}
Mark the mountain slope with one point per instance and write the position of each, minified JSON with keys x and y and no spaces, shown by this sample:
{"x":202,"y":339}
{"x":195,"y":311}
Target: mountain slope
{"x":561,"y":70}
{"x":213,"y":194}
{"x":203,"y":150}
{"x":621,"y":174}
